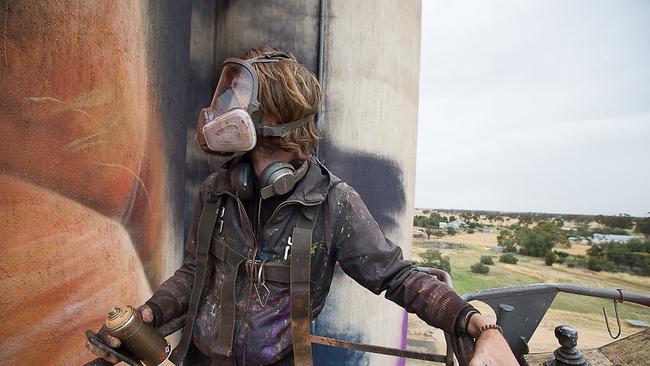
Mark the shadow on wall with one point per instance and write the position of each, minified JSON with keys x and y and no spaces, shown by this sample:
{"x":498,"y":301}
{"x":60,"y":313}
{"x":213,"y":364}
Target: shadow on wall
{"x":88,"y":170}
{"x":379,"y":181}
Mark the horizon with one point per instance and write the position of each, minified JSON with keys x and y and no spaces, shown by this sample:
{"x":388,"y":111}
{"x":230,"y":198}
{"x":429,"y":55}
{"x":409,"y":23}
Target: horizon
{"x":526,"y":212}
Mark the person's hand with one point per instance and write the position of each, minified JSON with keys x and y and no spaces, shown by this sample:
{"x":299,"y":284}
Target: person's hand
{"x":491,"y":348}
{"x":143,"y":311}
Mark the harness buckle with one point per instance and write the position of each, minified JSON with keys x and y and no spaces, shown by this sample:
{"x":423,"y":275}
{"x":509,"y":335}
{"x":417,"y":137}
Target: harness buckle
{"x":253,"y":266}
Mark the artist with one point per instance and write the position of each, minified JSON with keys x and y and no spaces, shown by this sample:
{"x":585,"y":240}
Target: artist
{"x":269,"y":226}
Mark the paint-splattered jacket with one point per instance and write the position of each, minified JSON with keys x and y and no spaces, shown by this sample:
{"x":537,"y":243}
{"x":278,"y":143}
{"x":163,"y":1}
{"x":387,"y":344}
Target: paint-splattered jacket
{"x":345,"y":232}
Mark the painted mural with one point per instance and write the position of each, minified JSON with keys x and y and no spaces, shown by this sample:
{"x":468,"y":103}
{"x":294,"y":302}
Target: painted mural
{"x":97,"y":162}
{"x":91,"y":171}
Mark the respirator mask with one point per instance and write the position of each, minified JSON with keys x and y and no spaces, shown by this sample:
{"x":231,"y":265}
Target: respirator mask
{"x":232,"y":122}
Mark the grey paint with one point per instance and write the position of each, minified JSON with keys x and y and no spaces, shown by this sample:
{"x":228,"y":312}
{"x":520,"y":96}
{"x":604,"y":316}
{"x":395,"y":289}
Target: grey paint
{"x":369,"y":120}
{"x":289,"y":25}
{"x":202,"y":81}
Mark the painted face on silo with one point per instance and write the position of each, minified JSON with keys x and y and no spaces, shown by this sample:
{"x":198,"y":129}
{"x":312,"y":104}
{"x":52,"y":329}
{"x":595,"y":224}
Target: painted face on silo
{"x":79,"y":164}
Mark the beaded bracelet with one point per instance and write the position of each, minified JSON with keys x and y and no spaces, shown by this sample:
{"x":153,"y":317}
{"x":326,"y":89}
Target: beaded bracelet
{"x":486,"y":327}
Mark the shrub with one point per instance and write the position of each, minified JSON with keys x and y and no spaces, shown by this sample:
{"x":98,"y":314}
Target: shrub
{"x":433,"y":258}
{"x":561,"y":254}
{"x":470,"y":231}
{"x":480,"y":268}
{"x":451,"y":231}
{"x":599,"y":264}
{"x":486,"y":259}
{"x":508,"y":258}
{"x":571,"y":261}
{"x":550,"y":258}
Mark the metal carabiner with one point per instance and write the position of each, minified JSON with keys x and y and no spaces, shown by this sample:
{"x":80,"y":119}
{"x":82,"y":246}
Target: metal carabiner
{"x":287,"y":248}
{"x":618,"y":318}
{"x":261,"y":299}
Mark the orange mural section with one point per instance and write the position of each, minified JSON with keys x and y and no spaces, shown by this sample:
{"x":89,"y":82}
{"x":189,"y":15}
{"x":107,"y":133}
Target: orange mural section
{"x":63,"y":265}
{"x":83,"y":218}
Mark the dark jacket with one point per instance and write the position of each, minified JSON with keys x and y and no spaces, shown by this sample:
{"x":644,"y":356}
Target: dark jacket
{"x":345,"y":232}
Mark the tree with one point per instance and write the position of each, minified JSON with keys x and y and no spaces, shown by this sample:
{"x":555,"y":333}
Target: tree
{"x":643,"y":226}
{"x":599,"y":264}
{"x":526,"y":219}
{"x":622,"y":221}
{"x":432,"y":221}
{"x":507,"y":240}
{"x":633,"y":257}
{"x":583,"y":230}
{"x":541,"y":239}
{"x":433,"y":258}
{"x":550,"y":258}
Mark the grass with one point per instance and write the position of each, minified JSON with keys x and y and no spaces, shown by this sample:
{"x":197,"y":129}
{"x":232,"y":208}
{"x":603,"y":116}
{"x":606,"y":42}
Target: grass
{"x":532,"y":270}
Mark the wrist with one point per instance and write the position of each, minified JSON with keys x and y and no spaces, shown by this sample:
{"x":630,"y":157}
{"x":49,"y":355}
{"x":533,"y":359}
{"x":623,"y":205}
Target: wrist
{"x":475,"y":323}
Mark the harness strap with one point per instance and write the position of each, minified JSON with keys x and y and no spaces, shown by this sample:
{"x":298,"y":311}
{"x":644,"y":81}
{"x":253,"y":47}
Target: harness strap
{"x":233,"y":260}
{"x":271,"y":271}
{"x":300,"y":285}
{"x":204,"y":234}
{"x":278,"y":272}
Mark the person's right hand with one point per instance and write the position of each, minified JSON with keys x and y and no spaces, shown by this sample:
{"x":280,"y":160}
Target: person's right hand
{"x":143,"y":311}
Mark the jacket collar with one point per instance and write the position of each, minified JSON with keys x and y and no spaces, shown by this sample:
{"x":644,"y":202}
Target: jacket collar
{"x":311,"y":189}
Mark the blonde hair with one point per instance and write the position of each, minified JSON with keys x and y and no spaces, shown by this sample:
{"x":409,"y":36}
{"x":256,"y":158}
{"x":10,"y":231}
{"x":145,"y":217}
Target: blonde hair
{"x":288,"y":91}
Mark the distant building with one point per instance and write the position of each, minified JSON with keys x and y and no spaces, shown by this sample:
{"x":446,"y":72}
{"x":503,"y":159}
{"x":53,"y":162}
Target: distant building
{"x":606,"y":238}
{"x":442,"y":225}
{"x":579,"y":240}
{"x":457,"y":224}
{"x":419,"y":234}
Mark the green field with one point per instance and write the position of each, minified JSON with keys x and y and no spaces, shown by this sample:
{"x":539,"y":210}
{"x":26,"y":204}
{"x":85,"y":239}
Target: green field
{"x":584,"y":313}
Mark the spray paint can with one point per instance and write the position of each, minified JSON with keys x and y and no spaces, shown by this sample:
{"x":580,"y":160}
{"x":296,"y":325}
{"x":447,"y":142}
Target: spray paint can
{"x":138,"y":337}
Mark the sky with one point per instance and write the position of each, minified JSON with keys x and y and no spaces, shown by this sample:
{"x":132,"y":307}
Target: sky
{"x":535,"y":106}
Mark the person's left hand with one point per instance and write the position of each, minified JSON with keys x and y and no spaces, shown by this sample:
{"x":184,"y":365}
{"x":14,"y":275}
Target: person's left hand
{"x":491,"y":349}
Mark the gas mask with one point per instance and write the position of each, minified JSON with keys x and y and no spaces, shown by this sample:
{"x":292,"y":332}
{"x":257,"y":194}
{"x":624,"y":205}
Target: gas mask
{"x":232,"y":122}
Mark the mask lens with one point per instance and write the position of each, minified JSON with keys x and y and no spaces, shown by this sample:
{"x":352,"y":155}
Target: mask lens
{"x":235,"y":89}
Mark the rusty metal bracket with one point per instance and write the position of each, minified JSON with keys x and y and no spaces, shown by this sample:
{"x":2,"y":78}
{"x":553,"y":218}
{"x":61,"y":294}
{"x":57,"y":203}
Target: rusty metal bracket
{"x":618,"y":318}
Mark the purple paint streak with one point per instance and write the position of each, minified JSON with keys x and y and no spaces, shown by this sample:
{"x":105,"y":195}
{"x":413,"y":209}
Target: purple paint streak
{"x":401,"y":361}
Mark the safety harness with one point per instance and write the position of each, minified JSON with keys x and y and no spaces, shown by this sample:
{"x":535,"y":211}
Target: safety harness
{"x":296,"y":274}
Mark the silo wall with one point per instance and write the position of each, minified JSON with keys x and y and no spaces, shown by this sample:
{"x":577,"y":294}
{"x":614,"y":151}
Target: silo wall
{"x":371,"y":82}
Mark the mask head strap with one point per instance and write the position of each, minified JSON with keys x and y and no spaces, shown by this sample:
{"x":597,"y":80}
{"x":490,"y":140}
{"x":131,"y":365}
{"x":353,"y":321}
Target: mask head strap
{"x":270,"y":57}
{"x":283,"y":129}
